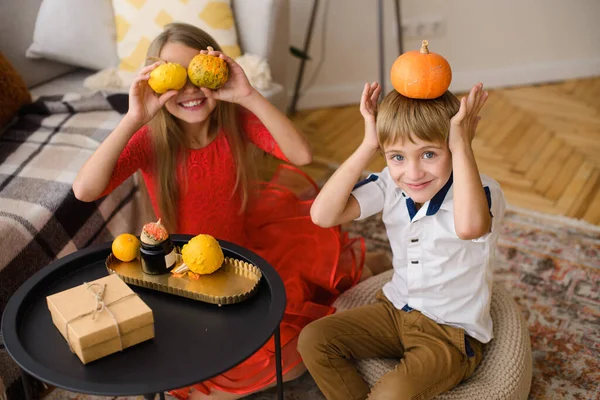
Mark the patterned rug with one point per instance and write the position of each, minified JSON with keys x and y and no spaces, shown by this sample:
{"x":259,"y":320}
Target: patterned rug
{"x":551,"y":265}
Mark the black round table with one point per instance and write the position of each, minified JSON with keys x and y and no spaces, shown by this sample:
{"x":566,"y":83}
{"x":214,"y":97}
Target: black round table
{"x":193,"y":341}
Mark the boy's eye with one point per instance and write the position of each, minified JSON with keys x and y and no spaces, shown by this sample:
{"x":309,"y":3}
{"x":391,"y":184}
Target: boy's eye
{"x":397,"y":157}
{"x":428,"y":154}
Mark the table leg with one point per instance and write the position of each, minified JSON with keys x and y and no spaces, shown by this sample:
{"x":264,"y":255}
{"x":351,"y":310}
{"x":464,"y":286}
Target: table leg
{"x":26,"y":379}
{"x":152,"y":396}
{"x":278,"y":367}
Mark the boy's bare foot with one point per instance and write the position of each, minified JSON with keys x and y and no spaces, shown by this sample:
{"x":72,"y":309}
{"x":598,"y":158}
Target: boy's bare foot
{"x":292,"y":374}
{"x":376,"y":262}
{"x":366,"y":273}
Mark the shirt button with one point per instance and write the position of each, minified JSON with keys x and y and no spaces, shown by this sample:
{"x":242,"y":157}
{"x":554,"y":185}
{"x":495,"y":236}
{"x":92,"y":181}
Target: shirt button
{"x":414,"y":262}
{"x":414,"y":240}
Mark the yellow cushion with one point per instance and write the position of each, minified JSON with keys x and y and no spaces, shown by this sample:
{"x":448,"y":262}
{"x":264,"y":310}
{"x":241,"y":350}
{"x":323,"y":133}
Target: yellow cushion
{"x":140,"y":21}
{"x":13,"y":91}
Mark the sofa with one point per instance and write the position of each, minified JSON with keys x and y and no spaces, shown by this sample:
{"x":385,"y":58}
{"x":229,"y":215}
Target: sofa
{"x":262,"y":25}
{"x":44,"y":146}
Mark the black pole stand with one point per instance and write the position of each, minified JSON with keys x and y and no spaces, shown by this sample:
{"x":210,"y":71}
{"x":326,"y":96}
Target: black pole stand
{"x":307,"y":39}
{"x":380,"y":24}
{"x":399,"y":26}
{"x":381,"y":48}
{"x":380,"y":27}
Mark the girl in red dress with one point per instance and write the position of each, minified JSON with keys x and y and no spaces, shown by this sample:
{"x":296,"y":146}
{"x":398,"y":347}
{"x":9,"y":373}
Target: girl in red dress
{"x":192,"y":148}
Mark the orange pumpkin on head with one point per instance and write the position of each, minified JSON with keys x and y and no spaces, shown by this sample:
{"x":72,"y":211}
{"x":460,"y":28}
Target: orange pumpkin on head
{"x":421,"y":74}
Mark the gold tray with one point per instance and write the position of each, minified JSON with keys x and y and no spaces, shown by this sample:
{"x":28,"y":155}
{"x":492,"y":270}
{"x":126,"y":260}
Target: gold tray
{"x":234,"y":282}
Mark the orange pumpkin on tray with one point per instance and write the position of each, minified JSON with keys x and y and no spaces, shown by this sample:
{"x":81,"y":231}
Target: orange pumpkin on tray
{"x":126,"y":247}
{"x":421,"y":74}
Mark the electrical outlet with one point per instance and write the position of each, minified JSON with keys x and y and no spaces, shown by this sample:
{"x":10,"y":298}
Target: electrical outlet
{"x":423,"y":28}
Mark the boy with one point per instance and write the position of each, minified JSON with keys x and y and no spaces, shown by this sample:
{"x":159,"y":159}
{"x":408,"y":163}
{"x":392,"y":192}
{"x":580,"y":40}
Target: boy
{"x":442,"y":221}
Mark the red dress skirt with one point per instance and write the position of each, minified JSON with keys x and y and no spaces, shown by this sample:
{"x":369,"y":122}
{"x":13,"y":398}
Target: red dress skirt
{"x":316,"y":265}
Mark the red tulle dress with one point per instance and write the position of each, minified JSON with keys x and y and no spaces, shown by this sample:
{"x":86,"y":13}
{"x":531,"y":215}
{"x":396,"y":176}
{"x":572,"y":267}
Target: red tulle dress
{"x":316,"y":264}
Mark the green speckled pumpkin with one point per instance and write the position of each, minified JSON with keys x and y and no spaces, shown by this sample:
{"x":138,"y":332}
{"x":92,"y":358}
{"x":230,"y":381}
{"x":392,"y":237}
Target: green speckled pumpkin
{"x":208,"y":71}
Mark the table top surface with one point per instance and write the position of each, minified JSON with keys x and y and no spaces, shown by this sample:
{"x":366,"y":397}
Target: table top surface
{"x":193,"y":341}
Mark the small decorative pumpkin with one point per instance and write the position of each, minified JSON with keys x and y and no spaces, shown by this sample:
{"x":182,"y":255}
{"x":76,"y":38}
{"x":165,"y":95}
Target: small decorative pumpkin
{"x":168,"y":76}
{"x":421,"y":74}
{"x":154,"y":233}
{"x":203,"y":254}
{"x":125,"y":247}
{"x":208,"y":71}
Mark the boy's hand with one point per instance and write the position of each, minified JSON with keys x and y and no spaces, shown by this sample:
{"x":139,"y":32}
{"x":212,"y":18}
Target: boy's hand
{"x":464,"y":124}
{"x":368,"y":109}
{"x":237,"y":88}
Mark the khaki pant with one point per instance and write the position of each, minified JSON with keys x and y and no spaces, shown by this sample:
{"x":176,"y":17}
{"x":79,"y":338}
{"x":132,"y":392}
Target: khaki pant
{"x":433,"y":358}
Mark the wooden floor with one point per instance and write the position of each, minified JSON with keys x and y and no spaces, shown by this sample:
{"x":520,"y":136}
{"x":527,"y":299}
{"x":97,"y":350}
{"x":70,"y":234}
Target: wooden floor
{"x":542,"y":143}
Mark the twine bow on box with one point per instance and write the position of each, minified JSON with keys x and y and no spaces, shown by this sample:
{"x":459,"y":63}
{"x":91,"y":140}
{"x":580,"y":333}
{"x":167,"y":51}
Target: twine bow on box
{"x":99,"y":307}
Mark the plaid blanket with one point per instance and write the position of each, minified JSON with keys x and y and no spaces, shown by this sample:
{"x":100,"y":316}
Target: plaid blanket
{"x":40,"y":218}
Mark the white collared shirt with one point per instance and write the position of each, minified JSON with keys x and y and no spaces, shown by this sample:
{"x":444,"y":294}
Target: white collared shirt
{"x":446,"y":278}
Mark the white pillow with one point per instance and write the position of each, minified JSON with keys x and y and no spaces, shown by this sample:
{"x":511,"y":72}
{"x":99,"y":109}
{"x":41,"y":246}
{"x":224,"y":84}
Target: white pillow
{"x":76,"y":32}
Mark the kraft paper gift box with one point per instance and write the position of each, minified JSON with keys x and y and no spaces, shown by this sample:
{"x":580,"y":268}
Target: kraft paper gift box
{"x":101,"y":317}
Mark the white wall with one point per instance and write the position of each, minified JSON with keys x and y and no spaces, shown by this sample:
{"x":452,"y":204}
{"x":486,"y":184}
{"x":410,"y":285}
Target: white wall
{"x":499,"y":42}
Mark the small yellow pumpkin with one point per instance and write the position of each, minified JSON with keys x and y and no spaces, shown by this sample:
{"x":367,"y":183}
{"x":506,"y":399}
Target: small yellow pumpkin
{"x":203,"y":254}
{"x":168,"y":76}
{"x":421,"y":74}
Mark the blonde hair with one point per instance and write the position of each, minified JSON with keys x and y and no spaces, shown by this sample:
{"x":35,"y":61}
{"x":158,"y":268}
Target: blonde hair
{"x":400,"y":118}
{"x":169,"y":141}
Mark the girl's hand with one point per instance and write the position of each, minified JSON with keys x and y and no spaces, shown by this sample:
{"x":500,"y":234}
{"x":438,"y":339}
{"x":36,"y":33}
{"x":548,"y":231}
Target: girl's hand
{"x":144,"y":103}
{"x":237,"y":87}
{"x":464,"y":124}
{"x":368,"y":109}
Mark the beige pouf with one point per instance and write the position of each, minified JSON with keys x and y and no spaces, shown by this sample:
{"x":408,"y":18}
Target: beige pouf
{"x":504,"y":373}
